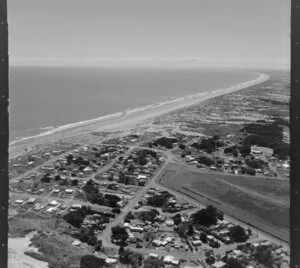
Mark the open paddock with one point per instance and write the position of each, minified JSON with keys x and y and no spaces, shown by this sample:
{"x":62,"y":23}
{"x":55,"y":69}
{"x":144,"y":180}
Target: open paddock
{"x":245,"y":199}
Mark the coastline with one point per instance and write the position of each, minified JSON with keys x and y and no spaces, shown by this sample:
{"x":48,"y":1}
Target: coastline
{"x":126,"y":120}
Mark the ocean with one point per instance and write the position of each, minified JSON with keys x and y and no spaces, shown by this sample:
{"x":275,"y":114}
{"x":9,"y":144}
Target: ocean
{"x":43,"y":98}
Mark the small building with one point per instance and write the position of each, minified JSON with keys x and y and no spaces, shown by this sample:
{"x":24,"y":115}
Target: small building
{"x":170,"y":222}
{"x":76,"y":243}
{"x":69,"y":191}
{"x":76,"y":206}
{"x":111,"y":261}
{"x":168,"y":259}
{"x":153,"y":255}
{"x":237,"y":252}
{"x":31,"y":200}
{"x":50,"y":210}
{"x":19,"y":201}
{"x":53,"y":203}
{"x":196,"y":243}
{"x":219,"y":264}
{"x":136,"y":229}
{"x":156,"y":243}
{"x":141,"y":177}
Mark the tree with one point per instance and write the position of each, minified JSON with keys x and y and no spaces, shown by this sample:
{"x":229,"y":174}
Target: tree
{"x":177,"y":219}
{"x":74,"y":182}
{"x":182,"y":229}
{"x":121,"y":250}
{"x":208,"y":216}
{"x":157,"y":200}
{"x":91,"y":261}
{"x":263,"y":255}
{"x":119,"y":233}
{"x":153,"y":263}
{"x":75,"y":218}
{"x":122,"y":177}
{"x":203,"y":237}
{"x":46,"y":178}
{"x":116,"y":210}
{"x":57,"y":177}
{"x":238,"y":234}
{"x":190,"y":230}
{"x":129,"y":257}
{"x":181,"y":146}
{"x":98,"y":245}
{"x":234,"y":263}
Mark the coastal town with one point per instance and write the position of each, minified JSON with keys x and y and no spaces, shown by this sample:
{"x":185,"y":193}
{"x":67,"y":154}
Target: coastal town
{"x":195,"y":187}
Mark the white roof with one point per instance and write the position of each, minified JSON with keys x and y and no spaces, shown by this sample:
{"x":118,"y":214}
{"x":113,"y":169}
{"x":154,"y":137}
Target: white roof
{"x":111,"y":260}
{"x":168,"y":258}
{"x":219,"y":264}
{"x":76,"y":243}
{"x":53,"y":203}
{"x":154,"y":255}
{"x":237,"y":252}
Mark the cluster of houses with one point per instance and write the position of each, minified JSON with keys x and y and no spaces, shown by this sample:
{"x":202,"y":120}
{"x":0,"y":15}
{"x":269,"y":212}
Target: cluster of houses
{"x":171,"y":203}
{"x":227,"y":165}
{"x":84,"y":162}
{"x":134,"y":172}
{"x":279,"y":254}
{"x":221,"y":232}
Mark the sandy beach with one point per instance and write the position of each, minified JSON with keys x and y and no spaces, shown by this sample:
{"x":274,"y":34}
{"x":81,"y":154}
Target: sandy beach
{"x":124,"y":121}
{"x":16,"y":257}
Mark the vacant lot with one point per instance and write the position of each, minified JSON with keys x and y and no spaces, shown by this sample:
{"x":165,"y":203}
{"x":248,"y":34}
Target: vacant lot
{"x":262,"y":203}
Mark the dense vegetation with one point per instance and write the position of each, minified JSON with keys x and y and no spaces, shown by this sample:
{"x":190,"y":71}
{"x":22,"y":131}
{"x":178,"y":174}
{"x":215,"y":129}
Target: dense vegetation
{"x":206,"y":161}
{"x":91,"y":261}
{"x":93,"y":196}
{"x":75,"y":218}
{"x":159,"y":200}
{"x":238,"y":234}
{"x":232,"y":150}
{"x":165,"y":142}
{"x":119,"y":234}
{"x":209,"y":145}
{"x":148,"y":215}
{"x":263,"y":254}
{"x":129,"y":257}
{"x":207,"y":216}
{"x":266,"y":135}
{"x":153,"y":263}
{"x":256,"y":163}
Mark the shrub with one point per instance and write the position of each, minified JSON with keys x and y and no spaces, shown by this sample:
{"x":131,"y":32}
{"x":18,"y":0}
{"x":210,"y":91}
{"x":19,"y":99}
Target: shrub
{"x":116,"y":210}
{"x":206,"y":161}
{"x":91,"y":261}
{"x":203,"y":237}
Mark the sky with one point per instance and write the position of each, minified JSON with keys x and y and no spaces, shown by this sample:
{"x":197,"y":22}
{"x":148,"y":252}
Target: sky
{"x":228,"y":32}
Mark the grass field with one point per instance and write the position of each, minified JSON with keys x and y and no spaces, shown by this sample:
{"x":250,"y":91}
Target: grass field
{"x":262,"y":203}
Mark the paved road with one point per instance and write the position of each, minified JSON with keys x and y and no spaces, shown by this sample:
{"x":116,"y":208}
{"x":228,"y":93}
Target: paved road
{"x":106,"y":235}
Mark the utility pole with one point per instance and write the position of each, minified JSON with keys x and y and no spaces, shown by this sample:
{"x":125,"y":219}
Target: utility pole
{"x":3,"y":133}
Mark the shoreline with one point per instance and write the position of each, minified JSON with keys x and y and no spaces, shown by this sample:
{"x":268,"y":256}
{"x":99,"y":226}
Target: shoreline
{"x":127,"y":119}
